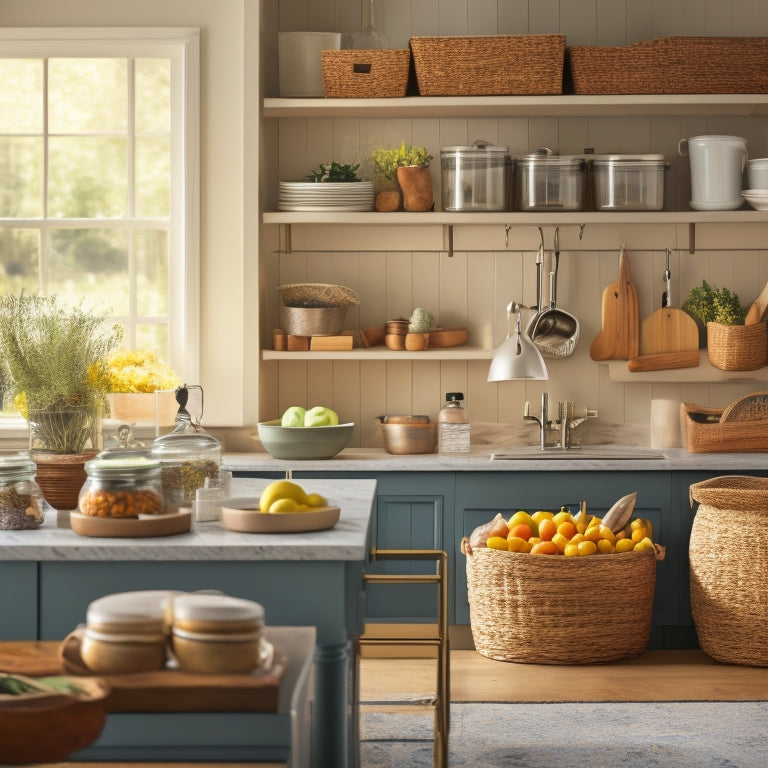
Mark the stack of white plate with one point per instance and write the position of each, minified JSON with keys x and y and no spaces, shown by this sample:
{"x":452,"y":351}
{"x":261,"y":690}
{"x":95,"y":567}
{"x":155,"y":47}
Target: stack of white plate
{"x":328,"y":196}
{"x":757,"y":198}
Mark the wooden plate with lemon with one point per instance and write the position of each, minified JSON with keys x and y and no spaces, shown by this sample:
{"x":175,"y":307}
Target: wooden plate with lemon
{"x":245,"y":516}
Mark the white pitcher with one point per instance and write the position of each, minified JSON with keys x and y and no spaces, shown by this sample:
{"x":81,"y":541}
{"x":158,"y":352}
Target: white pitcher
{"x":717,"y":171}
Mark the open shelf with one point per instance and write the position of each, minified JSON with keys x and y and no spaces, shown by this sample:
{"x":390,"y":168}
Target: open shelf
{"x":384,"y":353}
{"x":704,"y":373}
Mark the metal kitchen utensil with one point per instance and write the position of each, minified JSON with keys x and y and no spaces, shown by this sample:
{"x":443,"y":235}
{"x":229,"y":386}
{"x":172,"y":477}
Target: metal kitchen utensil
{"x":554,"y":331}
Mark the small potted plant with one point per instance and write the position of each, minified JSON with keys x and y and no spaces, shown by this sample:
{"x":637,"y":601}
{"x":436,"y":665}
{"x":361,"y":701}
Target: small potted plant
{"x":731,"y":345}
{"x":403,"y":172}
{"x":334,"y":173}
{"x":55,"y":358}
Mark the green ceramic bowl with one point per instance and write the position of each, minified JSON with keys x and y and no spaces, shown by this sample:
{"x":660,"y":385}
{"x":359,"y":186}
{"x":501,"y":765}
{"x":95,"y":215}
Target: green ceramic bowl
{"x":304,"y":442}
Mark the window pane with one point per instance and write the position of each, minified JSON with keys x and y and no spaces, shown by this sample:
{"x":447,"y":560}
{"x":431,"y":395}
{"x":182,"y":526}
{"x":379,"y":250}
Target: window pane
{"x":152,"y":273}
{"x":153,"y":337}
{"x":90,"y":264}
{"x":21,"y":178}
{"x":19,"y":260}
{"x":153,"y":96}
{"x":87,"y":95}
{"x":21,"y":96}
{"x":86,"y":178}
{"x":153,"y":177}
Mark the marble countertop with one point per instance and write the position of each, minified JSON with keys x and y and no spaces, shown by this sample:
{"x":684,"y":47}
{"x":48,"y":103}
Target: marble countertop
{"x":347,"y":540}
{"x":592,"y":458}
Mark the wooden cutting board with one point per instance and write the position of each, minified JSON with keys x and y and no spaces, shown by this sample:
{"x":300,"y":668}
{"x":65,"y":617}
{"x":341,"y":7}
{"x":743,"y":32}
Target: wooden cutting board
{"x":668,"y":330}
{"x":619,"y":337}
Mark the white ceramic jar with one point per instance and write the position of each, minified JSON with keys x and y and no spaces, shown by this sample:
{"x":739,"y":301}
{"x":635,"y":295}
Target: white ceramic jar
{"x":717,"y":171}
{"x":217,"y":633}
{"x":757,"y":174}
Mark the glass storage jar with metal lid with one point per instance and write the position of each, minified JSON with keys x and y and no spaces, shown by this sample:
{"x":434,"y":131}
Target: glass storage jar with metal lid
{"x":475,"y":178}
{"x":188,"y":454}
{"x":21,"y":500}
{"x":628,"y":182}
{"x":121,"y":487}
{"x":548,"y":182}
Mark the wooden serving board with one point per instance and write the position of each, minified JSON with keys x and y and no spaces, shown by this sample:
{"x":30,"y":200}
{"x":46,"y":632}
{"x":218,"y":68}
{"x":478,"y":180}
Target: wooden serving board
{"x":129,"y":527}
{"x":244,"y":516}
{"x":668,"y":330}
{"x":167,"y":690}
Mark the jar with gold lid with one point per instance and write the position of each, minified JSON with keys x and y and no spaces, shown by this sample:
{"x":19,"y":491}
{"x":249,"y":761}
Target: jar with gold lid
{"x":122,"y":487}
{"x":21,"y":500}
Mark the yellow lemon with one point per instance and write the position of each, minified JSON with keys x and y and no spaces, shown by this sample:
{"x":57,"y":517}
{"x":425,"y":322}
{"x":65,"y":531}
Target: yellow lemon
{"x":516,"y":544}
{"x":587,"y":548}
{"x":643,"y":545}
{"x":281,"y":489}
{"x":316,"y":500}
{"x":605,"y":547}
{"x":571,"y":550}
{"x":523,"y":517}
{"x":625,"y":545}
{"x":285,"y":505}
{"x":497,"y":542}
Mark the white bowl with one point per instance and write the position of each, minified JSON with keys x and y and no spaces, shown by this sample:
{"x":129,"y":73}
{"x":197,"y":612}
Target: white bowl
{"x":757,"y":198}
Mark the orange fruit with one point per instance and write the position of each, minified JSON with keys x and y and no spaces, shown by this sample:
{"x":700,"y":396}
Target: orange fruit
{"x":519,"y":517}
{"x":545,"y":548}
{"x":593,"y":533}
{"x":547,"y":529}
{"x":571,"y":550}
{"x":562,"y":516}
{"x":625,"y":545}
{"x":643,"y":545}
{"x":639,"y":533}
{"x":605,"y":547}
{"x":576,"y":538}
{"x":607,"y":533}
{"x":567,"y":529}
{"x":560,"y":541}
{"x":521,"y":531}
{"x":497,"y":542}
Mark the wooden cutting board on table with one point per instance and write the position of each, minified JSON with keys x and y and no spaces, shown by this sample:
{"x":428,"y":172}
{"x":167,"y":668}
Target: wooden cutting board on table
{"x":619,"y":336}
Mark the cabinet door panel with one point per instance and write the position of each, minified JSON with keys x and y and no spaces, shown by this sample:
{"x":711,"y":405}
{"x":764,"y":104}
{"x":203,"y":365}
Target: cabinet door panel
{"x":18,"y":601}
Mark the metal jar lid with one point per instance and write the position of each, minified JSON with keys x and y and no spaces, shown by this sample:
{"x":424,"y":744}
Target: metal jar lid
{"x":629,"y":161}
{"x":15,"y":463}
{"x":544,"y":157}
{"x":480,"y":148}
{"x":122,"y":467}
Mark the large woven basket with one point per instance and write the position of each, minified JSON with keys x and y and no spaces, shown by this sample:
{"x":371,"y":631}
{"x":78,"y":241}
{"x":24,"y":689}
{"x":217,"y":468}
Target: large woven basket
{"x":541,"y":609}
{"x":704,"y":432}
{"x":670,"y":65}
{"x":737,"y":347}
{"x":360,"y":74}
{"x":489,"y":65}
{"x":728,"y":556}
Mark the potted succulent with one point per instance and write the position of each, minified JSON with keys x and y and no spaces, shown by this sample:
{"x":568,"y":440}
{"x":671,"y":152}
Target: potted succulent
{"x":402,"y":172}
{"x":55,"y":360}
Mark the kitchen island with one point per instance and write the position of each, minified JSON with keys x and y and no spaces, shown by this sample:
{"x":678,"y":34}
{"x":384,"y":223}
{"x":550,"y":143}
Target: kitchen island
{"x":315,"y":579}
{"x":430,"y":502}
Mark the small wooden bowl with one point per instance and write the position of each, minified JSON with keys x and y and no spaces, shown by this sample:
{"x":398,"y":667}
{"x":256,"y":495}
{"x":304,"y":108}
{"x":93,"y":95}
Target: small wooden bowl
{"x":416,"y":342}
{"x":394,"y":341}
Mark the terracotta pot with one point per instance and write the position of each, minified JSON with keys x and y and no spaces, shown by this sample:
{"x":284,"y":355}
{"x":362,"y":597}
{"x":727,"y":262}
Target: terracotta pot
{"x":416,"y":183}
{"x":61,"y":476}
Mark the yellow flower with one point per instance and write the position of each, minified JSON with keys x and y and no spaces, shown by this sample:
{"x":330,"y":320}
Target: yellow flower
{"x":139,"y":371}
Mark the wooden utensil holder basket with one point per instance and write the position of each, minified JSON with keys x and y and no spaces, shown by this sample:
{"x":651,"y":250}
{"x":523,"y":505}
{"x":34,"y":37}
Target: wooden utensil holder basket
{"x":737,"y":347}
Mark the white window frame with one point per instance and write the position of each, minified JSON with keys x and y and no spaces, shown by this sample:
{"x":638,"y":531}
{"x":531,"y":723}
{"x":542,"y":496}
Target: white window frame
{"x":182,"y":46}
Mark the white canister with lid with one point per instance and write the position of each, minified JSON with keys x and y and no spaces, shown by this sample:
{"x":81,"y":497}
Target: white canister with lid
{"x":717,"y":171}
{"x":300,"y":71}
{"x":757,"y":173}
{"x":475,"y":178}
{"x":217,"y":633}
{"x":127,"y":632}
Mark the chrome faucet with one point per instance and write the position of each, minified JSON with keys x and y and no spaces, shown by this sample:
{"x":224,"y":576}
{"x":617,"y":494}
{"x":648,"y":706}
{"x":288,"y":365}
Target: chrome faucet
{"x":557,"y":434}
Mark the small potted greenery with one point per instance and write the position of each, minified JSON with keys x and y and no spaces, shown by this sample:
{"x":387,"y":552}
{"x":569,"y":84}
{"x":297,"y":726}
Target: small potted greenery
{"x":402,"y":172}
{"x":334,"y":173}
{"x":731,"y":345}
{"x":55,"y":359}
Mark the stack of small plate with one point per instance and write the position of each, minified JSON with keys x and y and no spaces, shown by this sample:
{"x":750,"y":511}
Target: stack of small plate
{"x":757,"y":198}
{"x":330,"y":196}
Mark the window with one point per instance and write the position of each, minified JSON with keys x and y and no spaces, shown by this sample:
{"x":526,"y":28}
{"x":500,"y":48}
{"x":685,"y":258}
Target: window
{"x":99,"y":176}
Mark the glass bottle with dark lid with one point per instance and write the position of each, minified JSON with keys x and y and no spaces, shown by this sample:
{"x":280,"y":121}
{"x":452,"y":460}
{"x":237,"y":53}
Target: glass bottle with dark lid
{"x":188,"y":454}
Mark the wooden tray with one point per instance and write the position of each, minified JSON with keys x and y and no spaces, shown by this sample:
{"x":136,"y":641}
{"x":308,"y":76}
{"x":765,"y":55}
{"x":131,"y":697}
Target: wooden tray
{"x":167,"y":690}
{"x":141,"y":527}
{"x":243,"y":515}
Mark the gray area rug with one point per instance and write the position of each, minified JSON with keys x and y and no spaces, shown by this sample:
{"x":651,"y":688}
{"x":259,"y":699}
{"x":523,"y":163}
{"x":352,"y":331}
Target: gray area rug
{"x":581,"y":735}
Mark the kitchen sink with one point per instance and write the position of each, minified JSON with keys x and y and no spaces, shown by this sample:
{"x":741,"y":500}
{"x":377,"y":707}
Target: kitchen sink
{"x":593,"y":452}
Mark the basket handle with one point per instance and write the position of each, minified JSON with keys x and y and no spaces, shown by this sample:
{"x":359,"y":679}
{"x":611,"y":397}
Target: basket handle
{"x":466,"y":549}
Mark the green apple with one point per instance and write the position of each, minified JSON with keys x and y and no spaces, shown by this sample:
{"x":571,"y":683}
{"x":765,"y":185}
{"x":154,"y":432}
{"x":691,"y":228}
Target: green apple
{"x":293,"y":417}
{"x":320,"y":417}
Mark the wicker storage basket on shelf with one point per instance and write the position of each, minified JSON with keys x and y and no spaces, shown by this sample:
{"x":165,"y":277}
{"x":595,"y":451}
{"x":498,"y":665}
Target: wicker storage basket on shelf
{"x":545,"y":609}
{"x":489,"y":65}
{"x":728,"y":556}
{"x":361,"y":74}
{"x":704,"y":433}
{"x":737,"y":347}
{"x":670,"y":65}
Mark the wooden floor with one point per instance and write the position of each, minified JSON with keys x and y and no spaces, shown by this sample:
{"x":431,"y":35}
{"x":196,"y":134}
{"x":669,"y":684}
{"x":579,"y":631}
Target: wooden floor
{"x":652,"y":676}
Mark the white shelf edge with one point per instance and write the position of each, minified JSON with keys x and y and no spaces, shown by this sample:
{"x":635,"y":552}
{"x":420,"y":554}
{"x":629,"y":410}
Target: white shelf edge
{"x":704,"y":373}
{"x":383,"y":353}
{"x":532,"y":106}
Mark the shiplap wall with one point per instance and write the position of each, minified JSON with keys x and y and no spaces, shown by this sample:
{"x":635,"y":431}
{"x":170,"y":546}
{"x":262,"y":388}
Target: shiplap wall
{"x":474,"y":287}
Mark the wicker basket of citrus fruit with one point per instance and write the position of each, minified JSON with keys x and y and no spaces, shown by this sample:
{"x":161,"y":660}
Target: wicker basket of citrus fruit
{"x":562,"y":588}
{"x":728,"y":556}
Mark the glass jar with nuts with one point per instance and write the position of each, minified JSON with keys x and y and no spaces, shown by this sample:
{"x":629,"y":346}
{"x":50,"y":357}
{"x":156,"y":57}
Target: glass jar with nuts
{"x":21,"y":500}
{"x":124,"y":487}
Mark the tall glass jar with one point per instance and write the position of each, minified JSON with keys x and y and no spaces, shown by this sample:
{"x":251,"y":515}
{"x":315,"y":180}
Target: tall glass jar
{"x":21,"y":500}
{"x":188,"y":455}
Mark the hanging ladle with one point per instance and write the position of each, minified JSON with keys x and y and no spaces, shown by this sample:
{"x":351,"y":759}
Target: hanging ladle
{"x":554,"y":331}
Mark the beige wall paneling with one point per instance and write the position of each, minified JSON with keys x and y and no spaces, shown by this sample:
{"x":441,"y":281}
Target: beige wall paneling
{"x":610,"y":23}
{"x":482,"y":17}
{"x":544,"y":16}
{"x":373,"y":399}
{"x":399,"y":399}
{"x":452,"y":17}
{"x":426,"y":397}
{"x":453,"y":284}
{"x":293,"y":382}
{"x":578,"y":22}
{"x":513,"y":17}
{"x":480,"y":296}
{"x":454,"y":378}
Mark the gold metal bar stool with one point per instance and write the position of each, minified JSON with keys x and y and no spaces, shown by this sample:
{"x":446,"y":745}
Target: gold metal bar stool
{"x":443,"y":697}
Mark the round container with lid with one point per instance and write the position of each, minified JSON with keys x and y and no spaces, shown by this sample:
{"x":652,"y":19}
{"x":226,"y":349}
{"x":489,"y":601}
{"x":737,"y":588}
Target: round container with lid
{"x":629,"y":182}
{"x":127,"y":632}
{"x":757,"y":173}
{"x":122,"y":487}
{"x":475,"y":178}
{"x":217,"y":633}
{"x":188,"y":456}
{"x":547,"y":182}
{"x":21,"y":500}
